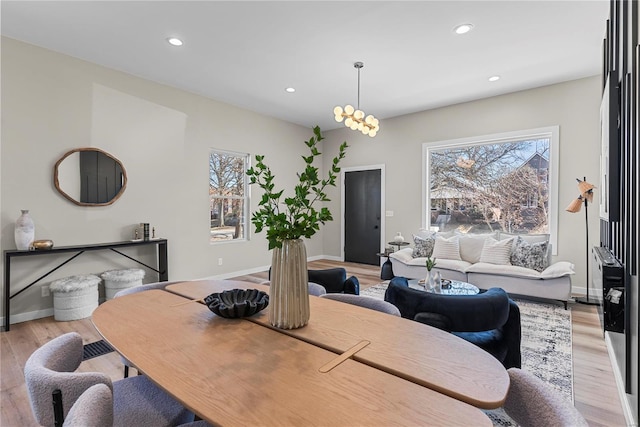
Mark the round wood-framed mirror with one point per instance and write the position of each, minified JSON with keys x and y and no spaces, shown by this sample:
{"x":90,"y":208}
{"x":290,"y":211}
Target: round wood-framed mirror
{"x":90,"y":177}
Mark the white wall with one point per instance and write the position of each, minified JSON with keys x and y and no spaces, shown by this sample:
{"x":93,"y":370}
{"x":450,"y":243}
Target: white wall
{"x":52,"y":103}
{"x":573,"y":106}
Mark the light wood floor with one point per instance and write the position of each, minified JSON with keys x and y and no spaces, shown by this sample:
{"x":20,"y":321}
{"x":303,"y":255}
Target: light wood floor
{"x":596,"y":395}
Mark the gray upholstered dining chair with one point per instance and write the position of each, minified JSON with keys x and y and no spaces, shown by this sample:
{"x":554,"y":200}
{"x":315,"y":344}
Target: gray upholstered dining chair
{"x":532,"y":403}
{"x":94,"y":408}
{"x":314,"y":288}
{"x":134,"y":290}
{"x":51,"y":371}
{"x":365,"y":301}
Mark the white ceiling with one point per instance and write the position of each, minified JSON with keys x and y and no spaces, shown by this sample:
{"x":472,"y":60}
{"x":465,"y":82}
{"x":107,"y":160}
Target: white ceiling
{"x":246,"y":53}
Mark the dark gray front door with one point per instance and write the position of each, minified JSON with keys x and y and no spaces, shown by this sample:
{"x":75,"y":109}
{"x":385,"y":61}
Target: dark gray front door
{"x":362,"y":216}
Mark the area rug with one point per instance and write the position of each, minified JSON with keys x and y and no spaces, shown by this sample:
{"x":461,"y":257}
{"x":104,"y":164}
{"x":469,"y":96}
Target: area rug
{"x":545,"y":346}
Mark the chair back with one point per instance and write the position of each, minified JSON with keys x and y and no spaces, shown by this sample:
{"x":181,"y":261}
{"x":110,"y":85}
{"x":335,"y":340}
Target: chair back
{"x":365,"y":301}
{"x":533,"y":403}
{"x":314,"y":288}
{"x":94,"y":408}
{"x":51,"y":367}
{"x":466,"y":313}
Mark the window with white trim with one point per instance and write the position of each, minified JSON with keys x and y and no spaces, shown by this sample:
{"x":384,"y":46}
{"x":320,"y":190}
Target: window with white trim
{"x":505,"y":182}
{"x":228,"y":195}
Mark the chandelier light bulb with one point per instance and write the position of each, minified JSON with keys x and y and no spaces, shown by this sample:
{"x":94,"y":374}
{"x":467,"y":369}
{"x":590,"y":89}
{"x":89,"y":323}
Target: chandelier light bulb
{"x":349,"y":109}
{"x":358,"y":114}
{"x":339,"y":118}
{"x":348,"y":122}
{"x":354,"y":126}
{"x":372,"y":133}
{"x":337,"y":111}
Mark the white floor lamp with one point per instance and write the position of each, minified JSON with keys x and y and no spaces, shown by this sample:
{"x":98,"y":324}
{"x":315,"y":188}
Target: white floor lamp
{"x":586,"y":196}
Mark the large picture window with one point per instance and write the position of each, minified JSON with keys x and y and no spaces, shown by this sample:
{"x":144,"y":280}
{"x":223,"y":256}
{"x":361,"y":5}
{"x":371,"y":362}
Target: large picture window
{"x":501,"y":182}
{"x":228,"y":195}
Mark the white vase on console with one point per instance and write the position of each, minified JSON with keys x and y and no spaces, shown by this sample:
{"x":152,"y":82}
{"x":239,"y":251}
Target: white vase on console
{"x":398,"y":238}
{"x":25,"y":231}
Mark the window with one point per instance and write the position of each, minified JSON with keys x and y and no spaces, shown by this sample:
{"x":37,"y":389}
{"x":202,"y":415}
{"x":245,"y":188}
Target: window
{"x":228,"y":195}
{"x":502,"y":182}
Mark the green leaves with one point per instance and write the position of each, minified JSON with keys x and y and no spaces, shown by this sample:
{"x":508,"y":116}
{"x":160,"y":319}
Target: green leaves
{"x":295,"y":217}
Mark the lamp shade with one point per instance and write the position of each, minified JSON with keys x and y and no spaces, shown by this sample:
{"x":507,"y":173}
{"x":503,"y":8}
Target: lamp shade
{"x":575,"y":205}
{"x":586,"y":189}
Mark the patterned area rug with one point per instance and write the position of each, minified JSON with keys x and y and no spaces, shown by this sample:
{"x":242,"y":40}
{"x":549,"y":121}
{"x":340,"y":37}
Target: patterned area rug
{"x":545,"y":346}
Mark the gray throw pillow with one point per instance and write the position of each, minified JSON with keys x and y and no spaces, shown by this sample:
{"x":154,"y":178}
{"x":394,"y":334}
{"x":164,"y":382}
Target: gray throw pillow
{"x":529,"y":255}
{"x":423,"y":246}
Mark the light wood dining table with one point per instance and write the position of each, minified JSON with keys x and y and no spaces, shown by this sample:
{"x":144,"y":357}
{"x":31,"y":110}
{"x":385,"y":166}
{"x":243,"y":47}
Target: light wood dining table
{"x":239,"y":372}
{"x":408,"y":349}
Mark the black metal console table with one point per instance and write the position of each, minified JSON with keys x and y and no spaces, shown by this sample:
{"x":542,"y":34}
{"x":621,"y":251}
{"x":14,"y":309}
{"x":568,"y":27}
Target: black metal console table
{"x":163,"y":274}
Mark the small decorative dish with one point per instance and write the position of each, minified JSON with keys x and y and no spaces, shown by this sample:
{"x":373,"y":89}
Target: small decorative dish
{"x":236,"y":303}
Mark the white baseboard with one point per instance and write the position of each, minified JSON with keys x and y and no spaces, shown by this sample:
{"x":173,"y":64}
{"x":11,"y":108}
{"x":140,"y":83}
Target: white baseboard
{"x":581,"y":290}
{"x":626,"y":408}
{"x":31,"y":315}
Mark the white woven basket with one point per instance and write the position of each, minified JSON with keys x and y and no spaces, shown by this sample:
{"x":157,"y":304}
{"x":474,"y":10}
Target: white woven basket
{"x":74,"y":297}
{"x":117,"y":280}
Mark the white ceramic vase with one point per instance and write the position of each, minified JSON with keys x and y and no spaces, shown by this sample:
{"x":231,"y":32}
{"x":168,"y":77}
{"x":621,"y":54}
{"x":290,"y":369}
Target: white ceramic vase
{"x":398,"y":238}
{"x":25,"y":231}
{"x":289,"y":290}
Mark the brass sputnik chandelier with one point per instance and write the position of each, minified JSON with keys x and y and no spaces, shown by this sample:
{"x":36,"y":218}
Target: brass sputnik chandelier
{"x":355,"y":118}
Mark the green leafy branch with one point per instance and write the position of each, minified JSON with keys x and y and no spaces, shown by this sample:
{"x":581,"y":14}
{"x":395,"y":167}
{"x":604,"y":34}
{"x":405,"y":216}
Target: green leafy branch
{"x":295,"y":217}
{"x":430,"y":263}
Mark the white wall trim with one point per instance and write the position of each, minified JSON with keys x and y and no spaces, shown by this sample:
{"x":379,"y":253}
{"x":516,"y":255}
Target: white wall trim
{"x":30,"y":315}
{"x":383,"y":204}
{"x":624,"y":401}
{"x":554,"y":160}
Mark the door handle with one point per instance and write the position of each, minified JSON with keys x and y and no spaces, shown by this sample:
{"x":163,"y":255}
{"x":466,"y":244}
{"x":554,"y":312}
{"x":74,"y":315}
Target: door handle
{"x":376,"y":227}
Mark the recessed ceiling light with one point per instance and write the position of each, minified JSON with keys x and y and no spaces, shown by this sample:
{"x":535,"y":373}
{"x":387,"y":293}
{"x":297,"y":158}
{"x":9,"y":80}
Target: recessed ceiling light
{"x":463,"y":28}
{"x":174,"y":41}
{"x":494,"y":78}
{"x":290,"y":89}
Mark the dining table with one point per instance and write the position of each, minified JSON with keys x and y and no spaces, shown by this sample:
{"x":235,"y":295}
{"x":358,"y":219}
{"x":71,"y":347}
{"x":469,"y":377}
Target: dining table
{"x":348,"y":366}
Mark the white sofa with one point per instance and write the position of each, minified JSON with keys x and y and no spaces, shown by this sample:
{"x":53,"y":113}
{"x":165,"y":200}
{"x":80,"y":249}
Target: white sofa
{"x":486,"y":260}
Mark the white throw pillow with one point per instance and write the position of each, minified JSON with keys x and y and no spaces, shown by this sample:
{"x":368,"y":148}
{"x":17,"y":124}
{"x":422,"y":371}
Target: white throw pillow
{"x":447,"y":248}
{"x":471,"y":246}
{"x":496,"y":252}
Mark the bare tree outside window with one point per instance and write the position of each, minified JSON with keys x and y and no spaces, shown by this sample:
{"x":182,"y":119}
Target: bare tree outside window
{"x":486,"y":187}
{"x":228,"y":195}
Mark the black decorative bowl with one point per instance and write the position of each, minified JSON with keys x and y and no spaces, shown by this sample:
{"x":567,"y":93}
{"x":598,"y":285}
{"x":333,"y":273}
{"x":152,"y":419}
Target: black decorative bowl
{"x":237,"y":302}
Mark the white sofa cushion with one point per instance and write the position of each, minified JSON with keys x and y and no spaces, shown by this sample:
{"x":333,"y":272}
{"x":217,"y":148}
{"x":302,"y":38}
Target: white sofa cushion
{"x":496,"y":251}
{"x":452,"y":264}
{"x":447,"y":248}
{"x":405,"y":255}
{"x":471,"y":246}
{"x":503,"y":270}
{"x":558,"y":269}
